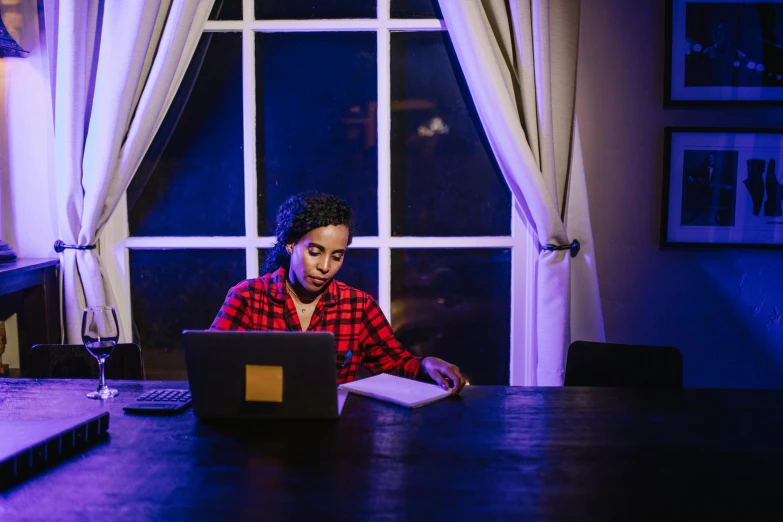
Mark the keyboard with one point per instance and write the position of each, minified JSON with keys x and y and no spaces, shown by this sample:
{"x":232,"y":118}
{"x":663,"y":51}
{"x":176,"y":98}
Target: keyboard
{"x":160,"y":401}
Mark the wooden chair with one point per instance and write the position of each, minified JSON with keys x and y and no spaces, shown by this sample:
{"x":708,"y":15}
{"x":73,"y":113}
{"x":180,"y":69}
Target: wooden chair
{"x":73,"y":361}
{"x":627,"y":365}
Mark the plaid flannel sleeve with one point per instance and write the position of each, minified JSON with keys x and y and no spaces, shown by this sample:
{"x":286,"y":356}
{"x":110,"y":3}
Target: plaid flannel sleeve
{"x":235,"y":313}
{"x":382,"y":352}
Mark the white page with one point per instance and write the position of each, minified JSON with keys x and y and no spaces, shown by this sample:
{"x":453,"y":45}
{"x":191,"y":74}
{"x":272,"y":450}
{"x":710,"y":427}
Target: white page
{"x":342,"y":395}
{"x":398,"y":390}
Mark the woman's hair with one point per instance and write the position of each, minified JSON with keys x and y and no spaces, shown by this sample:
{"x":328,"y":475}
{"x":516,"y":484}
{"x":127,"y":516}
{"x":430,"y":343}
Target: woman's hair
{"x":300,"y":214}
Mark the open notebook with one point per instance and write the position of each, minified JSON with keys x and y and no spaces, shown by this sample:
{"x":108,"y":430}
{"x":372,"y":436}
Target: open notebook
{"x":398,"y":390}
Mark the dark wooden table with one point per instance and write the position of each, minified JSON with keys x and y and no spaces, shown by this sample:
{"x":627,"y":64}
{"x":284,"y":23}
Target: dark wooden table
{"x":28,"y":288}
{"x":496,"y":453}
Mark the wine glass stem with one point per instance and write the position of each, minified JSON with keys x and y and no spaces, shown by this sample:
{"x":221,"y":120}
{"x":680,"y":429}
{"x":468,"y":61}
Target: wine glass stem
{"x":101,"y":384}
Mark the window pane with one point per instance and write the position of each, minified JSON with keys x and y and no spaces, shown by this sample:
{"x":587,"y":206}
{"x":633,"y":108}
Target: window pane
{"x":360,"y":269}
{"x":415,"y":9}
{"x":226,"y":10}
{"x":313,"y":9}
{"x":455,"y":304}
{"x":191,"y":181}
{"x":317,"y":122}
{"x":174,"y":290}
{"x":445,"y":181}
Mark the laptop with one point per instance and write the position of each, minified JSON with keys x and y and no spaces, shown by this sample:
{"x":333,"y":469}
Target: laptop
{"x":262,"y":374}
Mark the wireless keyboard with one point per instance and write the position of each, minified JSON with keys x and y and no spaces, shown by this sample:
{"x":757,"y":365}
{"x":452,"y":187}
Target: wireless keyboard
{"x":160,"y":401}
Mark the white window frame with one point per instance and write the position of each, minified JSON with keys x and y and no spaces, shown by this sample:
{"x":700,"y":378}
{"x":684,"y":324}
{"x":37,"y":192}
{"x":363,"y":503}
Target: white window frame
{"x":115,"y":237}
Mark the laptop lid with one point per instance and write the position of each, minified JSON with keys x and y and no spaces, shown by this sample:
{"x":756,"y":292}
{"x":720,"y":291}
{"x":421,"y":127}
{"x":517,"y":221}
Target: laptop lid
{"x":262,"y":374}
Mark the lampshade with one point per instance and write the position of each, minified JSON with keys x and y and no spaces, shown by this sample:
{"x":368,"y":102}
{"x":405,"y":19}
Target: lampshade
{"x":8,"y":46}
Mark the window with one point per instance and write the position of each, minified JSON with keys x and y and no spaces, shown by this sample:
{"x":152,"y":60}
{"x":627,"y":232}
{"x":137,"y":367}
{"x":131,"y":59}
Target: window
{"x":362,"y":99}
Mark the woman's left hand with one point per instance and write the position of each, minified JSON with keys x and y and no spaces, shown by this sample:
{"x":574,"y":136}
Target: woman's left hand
{"x":442,"y":372}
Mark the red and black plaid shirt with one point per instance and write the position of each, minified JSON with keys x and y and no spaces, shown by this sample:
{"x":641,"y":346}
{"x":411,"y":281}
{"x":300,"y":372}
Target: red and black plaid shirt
{"x":361,"y":331}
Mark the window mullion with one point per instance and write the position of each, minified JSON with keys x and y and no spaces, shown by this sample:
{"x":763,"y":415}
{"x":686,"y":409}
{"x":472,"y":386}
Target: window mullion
{"x":383,"y":9}
{"x":249,"y":144}
{"x":384,"y":167}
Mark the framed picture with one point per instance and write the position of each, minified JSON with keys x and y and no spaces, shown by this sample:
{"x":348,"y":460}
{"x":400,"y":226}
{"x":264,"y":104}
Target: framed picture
{"x":722,"y":51}
{"x":722,"y":187}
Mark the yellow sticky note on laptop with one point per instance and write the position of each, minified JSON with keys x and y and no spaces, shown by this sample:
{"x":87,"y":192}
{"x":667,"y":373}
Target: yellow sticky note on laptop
{"x":263,"y":383}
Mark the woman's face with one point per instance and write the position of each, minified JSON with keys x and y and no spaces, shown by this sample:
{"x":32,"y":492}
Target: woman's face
{"x":317,"y":257}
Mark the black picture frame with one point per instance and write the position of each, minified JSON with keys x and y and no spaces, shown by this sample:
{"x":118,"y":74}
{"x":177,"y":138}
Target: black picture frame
{"x":722,"y":187}
{"x":724,"y":52}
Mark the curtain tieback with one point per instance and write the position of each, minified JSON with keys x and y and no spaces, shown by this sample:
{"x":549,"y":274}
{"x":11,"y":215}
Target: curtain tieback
{"x":59,"y":246}
{"x":573,"y":247}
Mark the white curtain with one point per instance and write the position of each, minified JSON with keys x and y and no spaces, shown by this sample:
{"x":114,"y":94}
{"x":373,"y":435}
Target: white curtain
{"x":519,"y":59}
{"x":115,"y":67}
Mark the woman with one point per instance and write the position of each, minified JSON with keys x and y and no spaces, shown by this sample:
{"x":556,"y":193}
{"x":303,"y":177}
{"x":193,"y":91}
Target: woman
{"x":298,"y":292}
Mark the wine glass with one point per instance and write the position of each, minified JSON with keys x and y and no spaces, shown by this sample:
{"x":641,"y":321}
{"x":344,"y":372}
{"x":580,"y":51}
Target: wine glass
{"x":100,"y":333}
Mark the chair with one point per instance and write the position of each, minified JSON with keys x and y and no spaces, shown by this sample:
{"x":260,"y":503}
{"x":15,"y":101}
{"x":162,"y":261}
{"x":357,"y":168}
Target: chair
{"x":628,"y":365}
{"x":73,"y":361}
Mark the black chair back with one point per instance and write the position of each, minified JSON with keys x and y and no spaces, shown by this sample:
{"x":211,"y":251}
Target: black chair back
{"x":607,"y":364}
{"x":73,"y":361}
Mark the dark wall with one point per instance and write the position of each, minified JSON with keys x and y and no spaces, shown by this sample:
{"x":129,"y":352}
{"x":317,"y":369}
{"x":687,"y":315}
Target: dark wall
{"x":722,"y":308}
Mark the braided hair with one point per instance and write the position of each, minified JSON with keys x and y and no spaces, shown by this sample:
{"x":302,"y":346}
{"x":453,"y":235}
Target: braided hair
{"x":300,"y":214}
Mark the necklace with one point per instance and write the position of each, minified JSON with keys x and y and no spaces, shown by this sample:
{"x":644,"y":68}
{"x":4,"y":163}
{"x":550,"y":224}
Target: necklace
{"x":299,"y":303}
